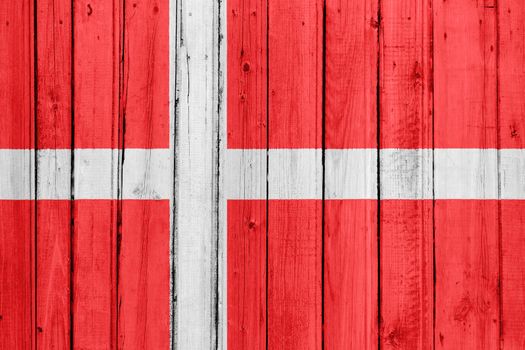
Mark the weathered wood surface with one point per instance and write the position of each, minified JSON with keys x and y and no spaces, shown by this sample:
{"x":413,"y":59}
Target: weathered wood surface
{"x":262,"y":174}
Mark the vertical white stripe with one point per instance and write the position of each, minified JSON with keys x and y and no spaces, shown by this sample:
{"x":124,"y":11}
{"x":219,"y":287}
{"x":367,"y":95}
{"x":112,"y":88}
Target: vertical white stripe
{"x":195,"y":207}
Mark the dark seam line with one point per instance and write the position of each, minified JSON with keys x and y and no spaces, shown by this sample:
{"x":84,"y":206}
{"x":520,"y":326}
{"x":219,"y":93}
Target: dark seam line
{"x":323,"y":181}
{"x":434,"y":264}
{"x":72,"y":184}
{"x":378,"y":141}
{"x":498,"y":142}
{"x":217,"y":169}
{"x":121,"y":129}
{"x":173,"y":267}
{"x":267,"y":155}
{"x":35,"y":135}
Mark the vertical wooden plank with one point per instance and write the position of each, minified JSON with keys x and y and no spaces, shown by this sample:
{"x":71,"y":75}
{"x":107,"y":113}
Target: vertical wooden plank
{"x":144,"y":274}
{"x":53,"y":171}
{"x":350,"y":266}
{"x":246,"y":216}
{"x":295,"y":44}
{"x":143,"y":281}
{"x":466,"y":231}
{"x":512,"y":275}
{"x":196,"y":135}
{"x":350,"y":279}
{"x":16,"y":278}
{"x":97,"y":38}
{"x":17,"y":225}
{"x":294,"y":274}
{"x":511,"y":114}
{"x":246,"y":274}
{"x":16,"y":75}
{"x":406,"y":230}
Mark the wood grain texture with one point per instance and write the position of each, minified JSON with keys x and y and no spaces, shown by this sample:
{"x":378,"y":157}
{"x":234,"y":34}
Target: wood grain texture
{"x":17,"y":235}
{"x":511,"y":134}
{"x":97,"y":37}
{"x":53,"y":221}
{"x":466,"y":231}
{"x":406,"y":230}
{"x":143,"y":239}
{"x":195,"y":203}
{"x":294,"y":274}
{"x":350,"y":279}
{"x":143,"y":276}
{"x":246,"y":129}
{"x":17,"y":75}
{"x":350,"y":248}
{"x":295,"y":32}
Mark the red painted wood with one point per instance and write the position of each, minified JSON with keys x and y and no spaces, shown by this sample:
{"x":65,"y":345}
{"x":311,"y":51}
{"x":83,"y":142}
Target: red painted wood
{"x":247,"y":68}
{"x":465,"y":74}
{"x":246,"y":274}
{"x":145,"y":74}
{"x":467,"y":313}
{"x":406,"y":248}
{"x":246,"y":128}
{"x":406,"y":274}
{"x":466,"y":232}
{"x":295,"y":31}
{"x":53,"y":274}
{"x":294,"y":274}
{"x":16,"y":274}
{"x":94,"y":275}
{"x":512,"y":273}
{"x":350,"y":277}
{"x":97,"y":35}
{"x":97,"y":52}
{"x":351,"y":74}
{"x":144,"y":275}
{"x":53,"y":228}
{"x":16,"y":74}
{"x":17,"y":236}
{"x":511,"y":74}
{"x":350,"y":255}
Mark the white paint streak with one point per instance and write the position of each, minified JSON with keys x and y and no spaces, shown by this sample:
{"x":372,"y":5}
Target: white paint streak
{"x":146,"y":174}
{"x":352,"y":174}
{"x":195,"y":194}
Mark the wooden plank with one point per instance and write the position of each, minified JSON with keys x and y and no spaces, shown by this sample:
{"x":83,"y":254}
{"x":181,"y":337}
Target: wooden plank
{"x":145,"y":74}
{"x":512,"y":275}
{"x":406,"y":230}
{"x":511,"y":134}
{"x":350,"y":247}
{"x":97,"y":124}
{"x":53,"y":138}
{"x":143,"y":275}
{"x":294,"y":274}
{"x":466,"y":231}
{"x":246,"y":129}
{"x":350,"y":279}
{"x":295,"y":33}
{"x":195,"y":321}
{"x":17,"y":235}
{"x":143,"y":241}
{"x":247,"y":274}
{"x":16,"y":75}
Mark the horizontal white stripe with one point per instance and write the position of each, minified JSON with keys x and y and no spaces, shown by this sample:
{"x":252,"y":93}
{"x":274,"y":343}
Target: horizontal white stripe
{"x":292,"y":174}
{"x":146,"y":174}
{"x":352,"y":174}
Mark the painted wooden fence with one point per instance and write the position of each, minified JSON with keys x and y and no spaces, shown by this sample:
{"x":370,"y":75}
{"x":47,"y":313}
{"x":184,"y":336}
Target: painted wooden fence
{"x":253,"y":174}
